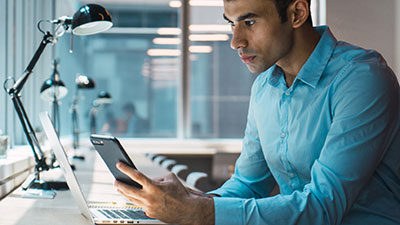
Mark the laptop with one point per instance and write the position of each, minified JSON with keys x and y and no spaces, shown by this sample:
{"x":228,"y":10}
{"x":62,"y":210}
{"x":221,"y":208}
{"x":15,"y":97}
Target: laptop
{"x":99,"y":213}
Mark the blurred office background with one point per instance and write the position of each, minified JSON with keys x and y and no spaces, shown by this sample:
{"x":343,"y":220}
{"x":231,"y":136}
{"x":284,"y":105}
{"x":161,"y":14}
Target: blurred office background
{"x":201,"y":91}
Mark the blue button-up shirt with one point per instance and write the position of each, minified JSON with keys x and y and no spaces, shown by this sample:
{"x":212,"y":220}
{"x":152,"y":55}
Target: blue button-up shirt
{"x":331,"y":142}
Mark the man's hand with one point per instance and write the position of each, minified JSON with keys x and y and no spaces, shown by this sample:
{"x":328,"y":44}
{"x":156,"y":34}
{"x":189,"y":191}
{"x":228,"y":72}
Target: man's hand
{"x":167,"y":199}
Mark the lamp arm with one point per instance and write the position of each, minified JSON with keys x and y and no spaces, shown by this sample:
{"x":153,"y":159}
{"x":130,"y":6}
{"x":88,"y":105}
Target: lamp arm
{"x":30,"y":134}
{"x":19,"y":84}
{"x":13,"y":92}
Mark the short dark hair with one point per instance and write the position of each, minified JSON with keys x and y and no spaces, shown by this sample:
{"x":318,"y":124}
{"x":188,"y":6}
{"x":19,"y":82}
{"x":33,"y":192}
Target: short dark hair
{"x":129,"y":107}
{"x":282,"y":6}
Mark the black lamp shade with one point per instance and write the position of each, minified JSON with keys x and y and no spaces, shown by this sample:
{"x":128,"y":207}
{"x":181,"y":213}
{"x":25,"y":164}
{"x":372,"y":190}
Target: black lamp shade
{"x":84,"y":82}
{"x":103,"y":98}
{"x":104,"y":94}
{"x":51,"y":87}
{"x":91,"y":19}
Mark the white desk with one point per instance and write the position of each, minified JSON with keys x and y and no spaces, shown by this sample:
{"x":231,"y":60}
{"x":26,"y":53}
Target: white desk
{"x":96,"y":183}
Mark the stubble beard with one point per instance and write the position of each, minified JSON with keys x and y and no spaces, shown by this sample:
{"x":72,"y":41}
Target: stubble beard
{"x":258,"y":67}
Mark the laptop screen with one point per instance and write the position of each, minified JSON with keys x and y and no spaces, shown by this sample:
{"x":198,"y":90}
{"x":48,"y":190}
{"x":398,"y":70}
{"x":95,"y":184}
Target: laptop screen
{"x":62,"y":158}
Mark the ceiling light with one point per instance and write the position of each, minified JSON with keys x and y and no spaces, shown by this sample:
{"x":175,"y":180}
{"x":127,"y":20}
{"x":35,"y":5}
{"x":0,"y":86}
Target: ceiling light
{"x":167,"y":41}
{"x":163,"y":52}
{"x":208,"y":37}
{"x":200,"y":49}
{"x":157,"y":61}
{"x":169,"y":31}
{"x":175,"y":4}
{"x":210,"y":27}
{"x":218,"y":3}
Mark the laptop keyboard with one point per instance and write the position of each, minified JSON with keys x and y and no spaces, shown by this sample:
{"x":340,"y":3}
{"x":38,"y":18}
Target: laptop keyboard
{"x":123,"y":214}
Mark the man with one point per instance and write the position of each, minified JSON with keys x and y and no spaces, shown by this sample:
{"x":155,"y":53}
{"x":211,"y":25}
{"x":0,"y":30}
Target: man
{"x":130,"y":125}
{"x":133,"y":124}
{"x":323,"y":125}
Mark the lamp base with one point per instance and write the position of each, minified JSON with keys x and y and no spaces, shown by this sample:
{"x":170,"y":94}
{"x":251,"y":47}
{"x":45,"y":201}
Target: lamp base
{"x":32,"y":182}
{"x":39,"y":194}
{"x":77,"y":154}
{"x":49,"y":185}
{"x":80,"y":157}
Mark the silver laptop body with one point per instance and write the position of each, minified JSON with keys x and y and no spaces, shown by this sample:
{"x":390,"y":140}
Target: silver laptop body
{"x":104,"y":213}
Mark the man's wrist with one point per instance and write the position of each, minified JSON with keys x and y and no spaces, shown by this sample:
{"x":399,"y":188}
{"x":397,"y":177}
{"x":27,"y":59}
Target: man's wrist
{"x":200,"y":210}
{"x":205,"y":211}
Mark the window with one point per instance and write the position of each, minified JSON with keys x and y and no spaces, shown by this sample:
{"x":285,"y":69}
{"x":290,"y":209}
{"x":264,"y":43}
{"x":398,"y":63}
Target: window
{"x":138,"y":62}
{"x":144,"y":94}
{"x":220,"y":82}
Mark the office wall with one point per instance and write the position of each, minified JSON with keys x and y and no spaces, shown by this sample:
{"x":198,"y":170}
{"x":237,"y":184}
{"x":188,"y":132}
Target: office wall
{"x":370,"y":24}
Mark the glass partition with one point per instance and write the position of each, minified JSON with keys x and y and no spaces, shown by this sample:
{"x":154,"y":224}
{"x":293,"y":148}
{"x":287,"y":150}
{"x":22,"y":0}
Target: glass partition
{"x":220,"y":82}
{"x":138,"y":63}
{"x":128,"y":63}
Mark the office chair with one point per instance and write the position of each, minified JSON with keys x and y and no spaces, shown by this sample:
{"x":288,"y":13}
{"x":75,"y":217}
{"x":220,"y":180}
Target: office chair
{"x":168,"y":163}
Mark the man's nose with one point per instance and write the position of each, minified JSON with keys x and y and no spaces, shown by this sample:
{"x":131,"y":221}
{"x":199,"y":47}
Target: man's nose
{"x":239,"y":39}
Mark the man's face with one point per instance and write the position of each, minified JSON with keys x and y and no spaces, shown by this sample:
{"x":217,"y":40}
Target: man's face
{"x":257,"y":33}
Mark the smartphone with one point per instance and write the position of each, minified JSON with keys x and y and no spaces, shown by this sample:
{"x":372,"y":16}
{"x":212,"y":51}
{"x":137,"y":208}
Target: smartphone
{"x":111,"y":151}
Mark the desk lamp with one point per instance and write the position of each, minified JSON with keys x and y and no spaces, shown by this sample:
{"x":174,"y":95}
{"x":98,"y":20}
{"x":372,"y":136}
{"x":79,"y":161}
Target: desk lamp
{"x":52,"y":90}
{"x":89,"y":19}
{"x":103,"y":98}
{"x":82,"y":82}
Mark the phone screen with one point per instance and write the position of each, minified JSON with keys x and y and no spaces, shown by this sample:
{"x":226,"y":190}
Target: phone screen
{"x":111,"y":151}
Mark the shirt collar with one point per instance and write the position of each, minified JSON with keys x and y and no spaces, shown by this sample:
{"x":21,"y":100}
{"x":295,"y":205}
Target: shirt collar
{"x":312,"y":70}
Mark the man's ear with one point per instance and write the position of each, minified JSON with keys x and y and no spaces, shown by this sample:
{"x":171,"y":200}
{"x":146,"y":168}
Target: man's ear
{"x":298,"y":12}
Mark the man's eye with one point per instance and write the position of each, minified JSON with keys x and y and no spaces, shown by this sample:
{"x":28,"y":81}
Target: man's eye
{"x":232,"y":24}
{"x":249,"y":22}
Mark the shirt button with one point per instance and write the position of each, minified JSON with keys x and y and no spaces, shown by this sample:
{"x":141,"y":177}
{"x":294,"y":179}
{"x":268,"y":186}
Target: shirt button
{"x":291,"y":175}
{"x":287,"y":93}
{"x":283,"y":135}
